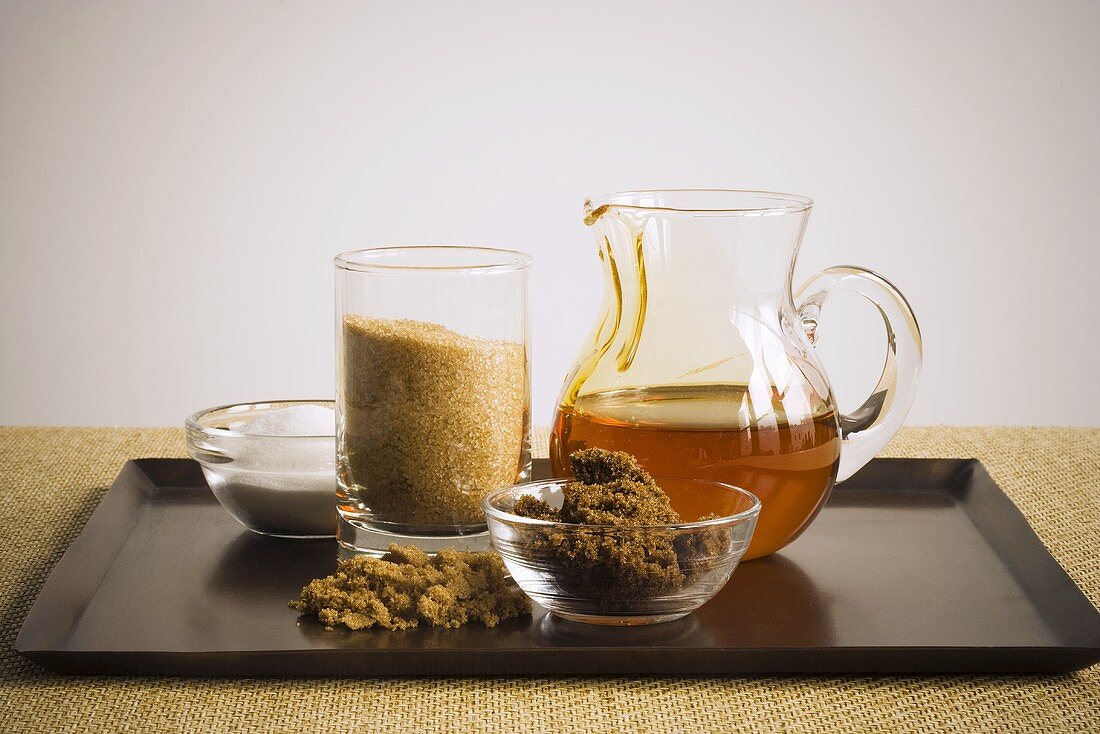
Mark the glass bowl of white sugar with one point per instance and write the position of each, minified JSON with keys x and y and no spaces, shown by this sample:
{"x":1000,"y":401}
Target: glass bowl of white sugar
{"x":271,"y":465}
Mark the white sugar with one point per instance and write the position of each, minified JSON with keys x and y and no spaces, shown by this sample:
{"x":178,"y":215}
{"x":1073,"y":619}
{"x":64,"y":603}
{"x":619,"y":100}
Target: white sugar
{"x":291,"y":503}
{"x":295,"y":420}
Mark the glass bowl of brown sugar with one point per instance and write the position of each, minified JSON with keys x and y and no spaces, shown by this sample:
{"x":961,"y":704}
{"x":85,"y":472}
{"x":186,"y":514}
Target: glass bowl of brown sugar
{"x":592,"y":553}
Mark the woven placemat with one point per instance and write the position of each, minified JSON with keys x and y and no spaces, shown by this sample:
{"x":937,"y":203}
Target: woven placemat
{"x":52,"y":479}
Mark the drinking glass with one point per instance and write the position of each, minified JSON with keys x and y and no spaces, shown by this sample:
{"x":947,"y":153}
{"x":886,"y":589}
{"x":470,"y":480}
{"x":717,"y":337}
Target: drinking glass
{"x":432,"y":392}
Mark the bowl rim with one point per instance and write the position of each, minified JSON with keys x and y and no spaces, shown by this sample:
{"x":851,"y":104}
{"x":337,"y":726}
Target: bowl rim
{"x":192,"y":423}
{"x":497,"y":514}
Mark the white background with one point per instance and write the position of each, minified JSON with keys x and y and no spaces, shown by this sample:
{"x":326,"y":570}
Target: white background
{"x":176,"y":177}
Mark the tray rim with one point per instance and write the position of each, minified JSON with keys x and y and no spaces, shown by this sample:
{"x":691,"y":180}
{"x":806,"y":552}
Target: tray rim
{"x":42,"y":635}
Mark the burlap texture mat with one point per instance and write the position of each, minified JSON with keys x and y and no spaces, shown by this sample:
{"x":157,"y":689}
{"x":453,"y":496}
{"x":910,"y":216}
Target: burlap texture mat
{"x":52,"y":479}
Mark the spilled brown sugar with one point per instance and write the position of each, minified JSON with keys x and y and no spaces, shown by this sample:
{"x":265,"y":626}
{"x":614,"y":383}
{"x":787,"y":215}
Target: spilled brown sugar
{"x":433,"y":420}
{"x":406,"y":587}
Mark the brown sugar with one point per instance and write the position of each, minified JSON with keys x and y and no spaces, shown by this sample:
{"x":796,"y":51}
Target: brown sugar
{"x":597,"y":466}
{"x":532,"y":507}
{"x":621,"y":502}
{"x":432,"y":420}
{"x":406,"y":587}
{"x":612,"y":490}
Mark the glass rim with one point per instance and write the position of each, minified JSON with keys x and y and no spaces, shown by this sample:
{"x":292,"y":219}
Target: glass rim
{"x":783,"y":203}
{"x":192,"y":422}
{"x":496,"y":259}
{"x":498,"y":514}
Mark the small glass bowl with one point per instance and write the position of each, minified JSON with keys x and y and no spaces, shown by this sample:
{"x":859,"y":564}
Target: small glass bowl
{"x":283,"y":486}
{"x":611,"y":575}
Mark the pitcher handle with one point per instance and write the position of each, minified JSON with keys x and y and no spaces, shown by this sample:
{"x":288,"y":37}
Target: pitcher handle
{"x":867,"y":430}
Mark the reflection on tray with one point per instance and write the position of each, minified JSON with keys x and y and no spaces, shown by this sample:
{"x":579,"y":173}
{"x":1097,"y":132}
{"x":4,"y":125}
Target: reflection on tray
{"x":558,"y":631}
{"x":253,"y":568}
{"x":746,"y":613}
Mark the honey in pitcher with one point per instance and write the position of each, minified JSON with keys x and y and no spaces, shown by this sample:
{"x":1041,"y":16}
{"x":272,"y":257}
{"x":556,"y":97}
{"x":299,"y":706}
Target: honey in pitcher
{"x":781,"y":448}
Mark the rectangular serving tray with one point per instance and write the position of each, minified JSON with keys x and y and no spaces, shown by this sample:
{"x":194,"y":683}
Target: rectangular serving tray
{"x":914,"y":566}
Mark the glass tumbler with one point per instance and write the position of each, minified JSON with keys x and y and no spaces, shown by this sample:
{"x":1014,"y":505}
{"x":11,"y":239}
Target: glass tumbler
{"x":432,"y":393}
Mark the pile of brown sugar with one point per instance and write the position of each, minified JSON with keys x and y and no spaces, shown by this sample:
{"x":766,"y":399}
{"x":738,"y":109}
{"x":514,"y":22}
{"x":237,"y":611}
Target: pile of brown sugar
{"x":617,"y":564}
{"x":610,"y":489}
{"x":406,"y":587}
{"x":433,"y":420}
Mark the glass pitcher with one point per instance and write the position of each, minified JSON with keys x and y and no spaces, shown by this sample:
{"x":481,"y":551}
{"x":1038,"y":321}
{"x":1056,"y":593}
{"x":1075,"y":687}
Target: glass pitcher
{"x":702,"y":363}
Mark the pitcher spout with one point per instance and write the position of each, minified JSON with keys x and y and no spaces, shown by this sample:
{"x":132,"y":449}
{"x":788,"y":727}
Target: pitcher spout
{"x":592,"y":212}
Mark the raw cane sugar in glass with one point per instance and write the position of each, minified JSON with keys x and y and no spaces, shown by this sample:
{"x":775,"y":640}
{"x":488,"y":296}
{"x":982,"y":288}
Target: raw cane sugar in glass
{"x":432,"y":393}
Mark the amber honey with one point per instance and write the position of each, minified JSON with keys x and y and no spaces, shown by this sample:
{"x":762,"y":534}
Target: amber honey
{"x":780,"y":447}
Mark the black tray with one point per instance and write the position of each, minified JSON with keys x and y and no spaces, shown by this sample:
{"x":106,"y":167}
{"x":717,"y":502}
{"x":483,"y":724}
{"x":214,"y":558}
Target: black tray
{"x":913,"y":566}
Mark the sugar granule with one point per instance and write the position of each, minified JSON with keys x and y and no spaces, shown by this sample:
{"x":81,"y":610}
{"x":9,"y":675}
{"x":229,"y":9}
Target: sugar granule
{"x":293,"y":420}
